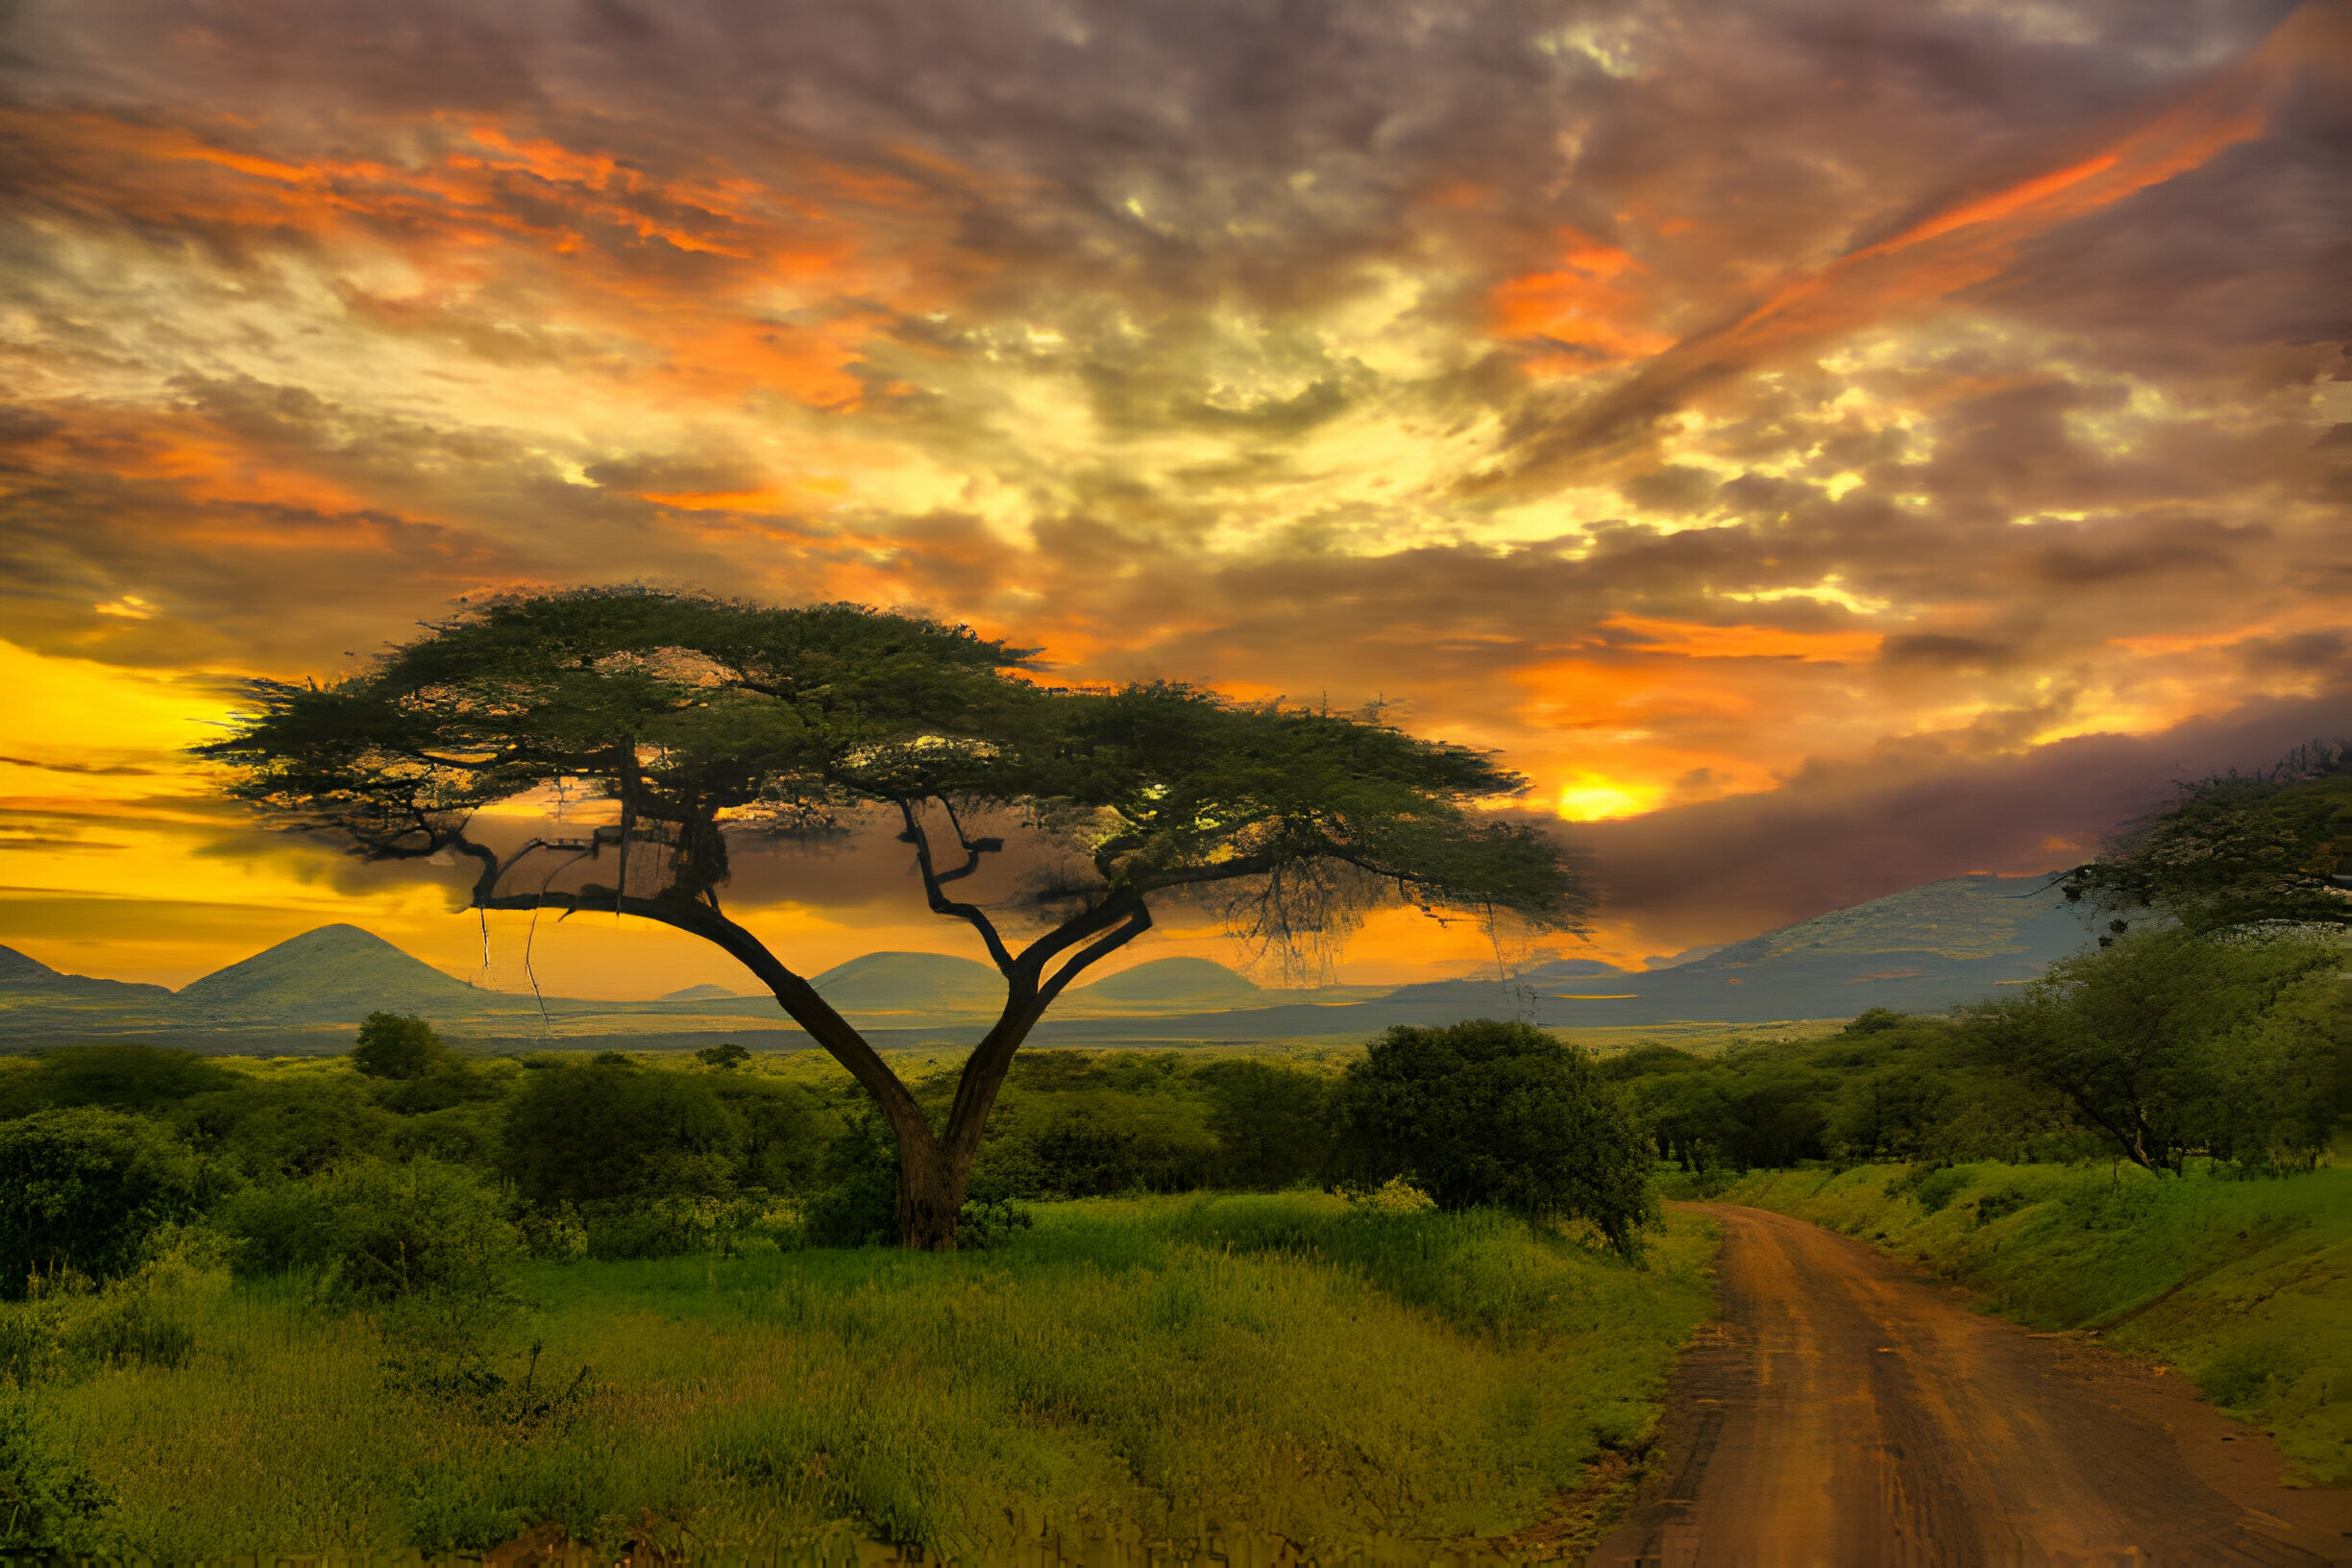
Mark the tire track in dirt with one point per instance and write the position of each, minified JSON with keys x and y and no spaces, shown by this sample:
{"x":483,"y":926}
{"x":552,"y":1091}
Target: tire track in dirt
{"x":1843,"y":1412}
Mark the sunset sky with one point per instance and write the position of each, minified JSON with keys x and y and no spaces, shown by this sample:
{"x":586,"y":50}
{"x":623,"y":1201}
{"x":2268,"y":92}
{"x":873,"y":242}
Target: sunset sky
{"x":1826,"y":446}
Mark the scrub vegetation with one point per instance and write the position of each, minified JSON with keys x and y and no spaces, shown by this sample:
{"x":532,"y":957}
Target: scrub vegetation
{"x":655,"y":1300}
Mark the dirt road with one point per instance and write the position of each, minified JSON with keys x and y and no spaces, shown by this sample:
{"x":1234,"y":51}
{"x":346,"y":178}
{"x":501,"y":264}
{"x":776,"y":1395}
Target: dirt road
{"x":1847,"y":1414}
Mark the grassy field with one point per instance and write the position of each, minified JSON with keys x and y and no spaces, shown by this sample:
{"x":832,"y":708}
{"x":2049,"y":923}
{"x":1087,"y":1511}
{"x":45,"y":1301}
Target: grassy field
{"x":2246,"y":1285}
{"x":1273,"y":1365}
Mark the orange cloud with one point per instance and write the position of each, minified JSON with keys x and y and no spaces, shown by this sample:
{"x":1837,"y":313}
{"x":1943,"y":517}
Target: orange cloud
{"x":1966,"y":242}
{"x":1578,"y":307}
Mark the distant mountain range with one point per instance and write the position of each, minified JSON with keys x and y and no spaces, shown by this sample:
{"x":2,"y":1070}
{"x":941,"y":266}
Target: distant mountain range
{"x":1921,"y":950}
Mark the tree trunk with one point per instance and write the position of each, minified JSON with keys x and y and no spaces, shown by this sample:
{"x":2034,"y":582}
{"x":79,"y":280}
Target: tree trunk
{"x":930,"y":1195}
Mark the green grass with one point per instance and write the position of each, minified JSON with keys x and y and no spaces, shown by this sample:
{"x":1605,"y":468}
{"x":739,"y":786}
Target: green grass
{"x":2246,"y":1285}
{"x":1174,"y":1367}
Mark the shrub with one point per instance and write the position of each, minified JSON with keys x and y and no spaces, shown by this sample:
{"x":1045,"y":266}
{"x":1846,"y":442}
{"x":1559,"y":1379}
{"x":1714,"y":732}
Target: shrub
{"x":1272,"y":1123}
{"x":984,"y":1225}
{"x":610,"y":1130}
{"x":293,"y":1127}
{"x":86,"y":1190}
{"x":123,"y":1077}
{"x":1934,"y":1190}
{"x":1502,"y":1113}
{"x":378,"y":1231}
{"x":2000,"y":1205}
{"x":397,"y":1046}
{"x":48,"y":1500}
{"x":856,"y":1203}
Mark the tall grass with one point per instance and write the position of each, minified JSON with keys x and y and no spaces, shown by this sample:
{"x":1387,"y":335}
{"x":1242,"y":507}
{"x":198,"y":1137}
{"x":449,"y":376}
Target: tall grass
{"x":1175,"y":1367}
{"x":2244,"y":1284}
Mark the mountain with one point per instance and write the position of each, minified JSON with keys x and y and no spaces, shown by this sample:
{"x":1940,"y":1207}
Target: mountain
{"x":703,"y":992}
{"x":911,"y":983}
{"x":25,"y":979}
{"x":1921,"y":950}
{"x":1170,"y":985}
{"x":334,"y":974}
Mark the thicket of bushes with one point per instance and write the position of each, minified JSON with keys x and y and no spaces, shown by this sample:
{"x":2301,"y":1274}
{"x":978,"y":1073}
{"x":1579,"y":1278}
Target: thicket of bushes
{"x":2159,"y":1048}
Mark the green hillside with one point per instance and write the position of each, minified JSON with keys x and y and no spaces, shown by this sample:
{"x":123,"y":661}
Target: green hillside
{"x":911,"y":983}
{"x":336,"y":974}
{"x":1171,"y":985}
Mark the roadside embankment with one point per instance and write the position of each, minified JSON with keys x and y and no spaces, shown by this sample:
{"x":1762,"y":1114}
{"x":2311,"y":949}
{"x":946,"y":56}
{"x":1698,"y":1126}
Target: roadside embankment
{"x":2245,"y":1286}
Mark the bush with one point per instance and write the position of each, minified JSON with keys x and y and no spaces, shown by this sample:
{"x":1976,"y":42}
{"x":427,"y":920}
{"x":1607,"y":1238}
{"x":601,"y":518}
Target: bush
{"x":394,"y":1046}
{"x":86,"y":1190}
{"x":290,"y":1127}
{"x":1272,"y":1123}
{"x":122,"y":1077}
{"x":48,"y":1500}
{"x":856,"y":1203}
{"x":984,"y":1225}
{"x":378,"y":1231}
{"x":781,"y":1132}
{"x":1502,"y":1113}
{"x":610,"y":1130}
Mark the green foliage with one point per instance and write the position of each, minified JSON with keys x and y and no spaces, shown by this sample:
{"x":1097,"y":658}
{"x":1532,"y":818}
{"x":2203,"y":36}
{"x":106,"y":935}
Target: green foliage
{"x":1273,"y":1124}
{"x":377,"y":1232}
{"x":393,"y":1045}
{"x":84,"y":1191}
{"x":2239,"y":853}
{"x":1113,"y":1368}
{"x":120,"y":1077}
{"x":269,"y":1128}
{"x":611,"y":1129}
{"x":48,"y":1500}
{"x":452,"y":1082}
{"x":984,"y":1225}
{"x":2168,"y":1043}
{"x":1083,"y":1124}
{"x":781,"y":1131}
{"x":725,"y":1057}
{"x":857,"y":1200}
{"x":1491,"y":1112}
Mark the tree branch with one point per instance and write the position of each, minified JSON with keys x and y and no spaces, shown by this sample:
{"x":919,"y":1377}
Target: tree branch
{"x":941,"y":903}
{"x":1026,"y":1002}
{"x":798,"y":998}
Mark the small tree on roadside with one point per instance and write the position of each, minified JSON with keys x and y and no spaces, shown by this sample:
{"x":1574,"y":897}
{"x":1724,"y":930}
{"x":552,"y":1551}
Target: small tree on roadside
{"x":2171,"y":1044}
{"x":397,"y":1046}
{"x":698,"y":726}
{"x":1502,"y":1113}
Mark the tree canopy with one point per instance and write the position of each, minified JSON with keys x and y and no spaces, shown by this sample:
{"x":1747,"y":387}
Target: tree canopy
{"x":678,"y":729}
{"x":2239,"y":851}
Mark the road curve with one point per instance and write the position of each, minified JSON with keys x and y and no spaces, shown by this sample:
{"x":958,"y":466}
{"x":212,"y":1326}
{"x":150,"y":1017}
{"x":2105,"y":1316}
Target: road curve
{"x":1844,"y":1412}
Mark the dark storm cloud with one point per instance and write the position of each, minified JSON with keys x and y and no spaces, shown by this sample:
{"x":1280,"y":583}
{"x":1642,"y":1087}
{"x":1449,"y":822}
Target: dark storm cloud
{"x":1838,"y":834}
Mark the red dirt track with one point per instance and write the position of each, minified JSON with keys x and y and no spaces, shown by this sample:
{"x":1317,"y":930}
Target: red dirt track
{"x":1843,"y":1412}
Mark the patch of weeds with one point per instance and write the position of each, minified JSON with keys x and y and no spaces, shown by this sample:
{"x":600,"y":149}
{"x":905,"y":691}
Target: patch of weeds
{"x":68,"y":1327}
{"x":984,"y":1225}
{"x":1932,"y":1190}
{"x":2000,"y":1205}
{"x":49,"y":1501}
{"x":446,"y":1509}
{"x":2246,"y":1377}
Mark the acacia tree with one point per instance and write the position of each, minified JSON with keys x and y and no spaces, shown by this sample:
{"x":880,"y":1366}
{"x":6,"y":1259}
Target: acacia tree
{"x":695,"y":724}
{"x":2237,"y":852}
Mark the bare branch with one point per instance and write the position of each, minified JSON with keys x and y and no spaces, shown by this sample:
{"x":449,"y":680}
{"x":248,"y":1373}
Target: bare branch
{"x":941,"y":903}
